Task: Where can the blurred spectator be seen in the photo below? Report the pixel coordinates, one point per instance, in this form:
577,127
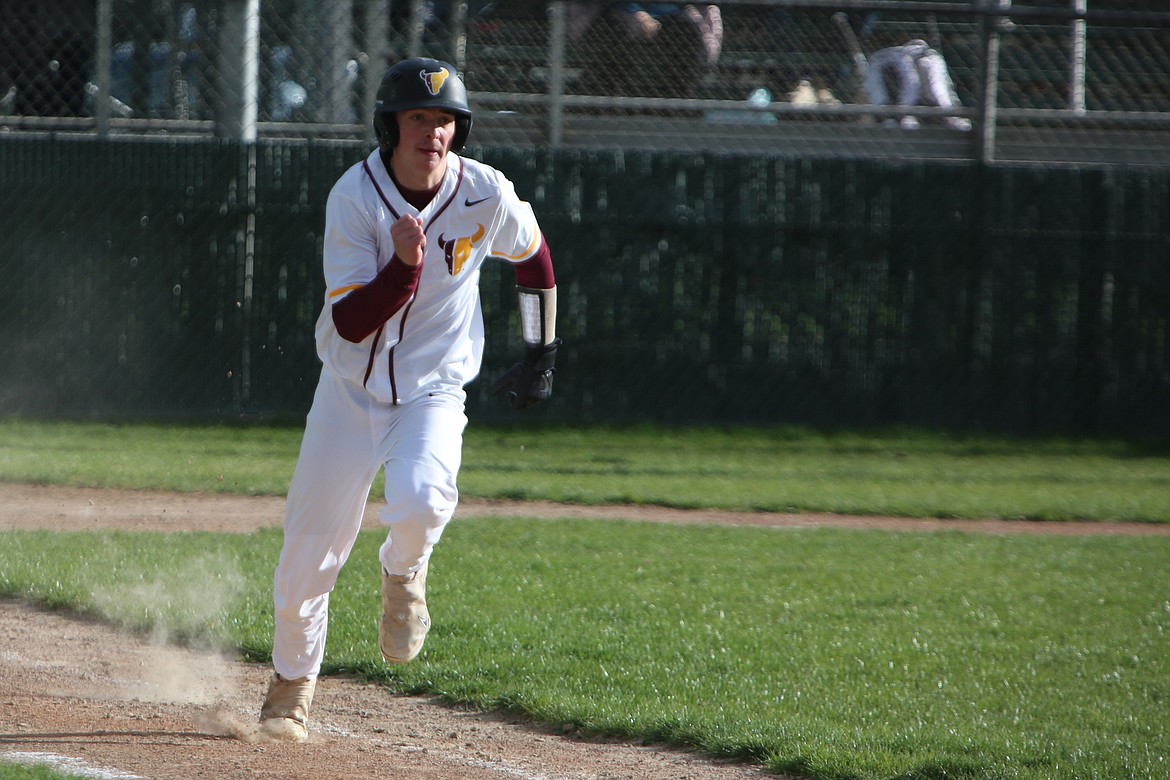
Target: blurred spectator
288,98
920,76
437,20
152,76
677,43
188,92
816,73
56,78
46,56
760,97
123,67
645,23
438,15
7,98
805,94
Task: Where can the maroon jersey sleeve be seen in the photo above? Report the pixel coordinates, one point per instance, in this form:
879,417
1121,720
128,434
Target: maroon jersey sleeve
537,271
367,308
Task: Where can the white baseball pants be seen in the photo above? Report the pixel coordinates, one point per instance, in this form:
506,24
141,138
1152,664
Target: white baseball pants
926,78
348,437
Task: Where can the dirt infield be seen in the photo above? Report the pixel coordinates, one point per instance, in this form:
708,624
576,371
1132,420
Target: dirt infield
88,699
81,695
80,509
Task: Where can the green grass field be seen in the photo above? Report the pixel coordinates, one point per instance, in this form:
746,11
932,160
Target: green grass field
821,653
906,473
33,772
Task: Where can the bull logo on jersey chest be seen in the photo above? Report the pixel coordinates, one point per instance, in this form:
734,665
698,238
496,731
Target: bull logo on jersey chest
456,251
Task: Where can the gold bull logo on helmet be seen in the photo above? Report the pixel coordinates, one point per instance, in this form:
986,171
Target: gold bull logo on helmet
457,250
434,79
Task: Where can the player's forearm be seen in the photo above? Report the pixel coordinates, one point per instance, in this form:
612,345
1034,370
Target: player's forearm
537,288
364,310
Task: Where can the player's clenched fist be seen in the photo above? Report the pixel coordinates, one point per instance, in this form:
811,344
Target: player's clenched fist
409,239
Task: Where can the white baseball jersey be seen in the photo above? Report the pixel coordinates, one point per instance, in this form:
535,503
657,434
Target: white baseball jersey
434,343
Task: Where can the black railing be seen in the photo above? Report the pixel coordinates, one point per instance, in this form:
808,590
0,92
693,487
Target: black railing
1076,81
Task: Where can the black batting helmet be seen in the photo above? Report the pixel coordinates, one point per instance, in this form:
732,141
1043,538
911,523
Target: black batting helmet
420,83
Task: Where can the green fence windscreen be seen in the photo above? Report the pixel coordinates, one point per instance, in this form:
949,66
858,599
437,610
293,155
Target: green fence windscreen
178,279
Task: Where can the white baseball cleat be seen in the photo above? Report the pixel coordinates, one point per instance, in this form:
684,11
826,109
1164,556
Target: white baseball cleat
285,714
405,619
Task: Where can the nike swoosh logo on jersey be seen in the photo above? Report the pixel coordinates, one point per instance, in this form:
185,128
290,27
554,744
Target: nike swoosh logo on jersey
469,202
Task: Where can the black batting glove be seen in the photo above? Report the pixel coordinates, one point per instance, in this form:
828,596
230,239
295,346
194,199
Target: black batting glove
529,381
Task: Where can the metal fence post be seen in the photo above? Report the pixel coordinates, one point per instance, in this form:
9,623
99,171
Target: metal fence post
103,59
376,44
414,40
249,282
336,104
458,32
992,20
239,70
556,65
1077,77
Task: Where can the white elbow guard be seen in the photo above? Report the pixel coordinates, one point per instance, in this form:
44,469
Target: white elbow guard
538,315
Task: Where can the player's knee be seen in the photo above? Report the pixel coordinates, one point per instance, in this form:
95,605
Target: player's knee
424,506
300,608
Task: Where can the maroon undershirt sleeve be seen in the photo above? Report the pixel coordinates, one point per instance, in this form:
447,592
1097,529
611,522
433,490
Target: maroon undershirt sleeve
536,273
367,308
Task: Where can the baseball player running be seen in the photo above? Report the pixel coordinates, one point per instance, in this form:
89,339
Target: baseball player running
407,231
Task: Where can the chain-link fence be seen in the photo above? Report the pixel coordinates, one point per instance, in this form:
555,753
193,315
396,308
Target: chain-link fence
163,278
158,262
1047,80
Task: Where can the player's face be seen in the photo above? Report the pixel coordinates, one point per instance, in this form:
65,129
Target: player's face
424,136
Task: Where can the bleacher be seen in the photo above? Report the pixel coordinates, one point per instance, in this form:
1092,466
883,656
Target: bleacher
509,53
768,49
